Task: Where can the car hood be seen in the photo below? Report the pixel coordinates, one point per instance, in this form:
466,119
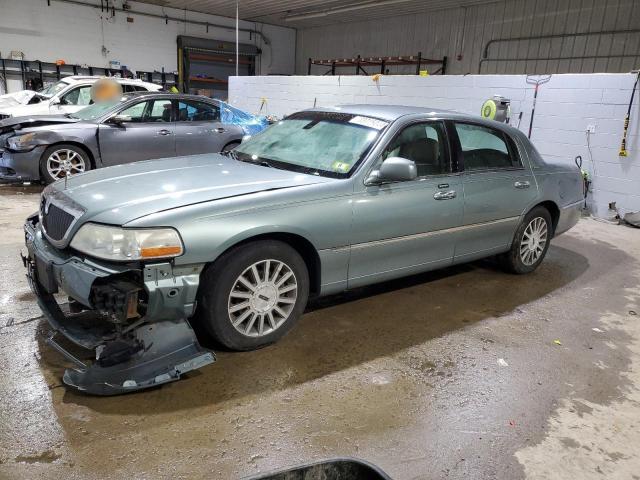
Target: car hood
120,194
22,97
40,108
14,123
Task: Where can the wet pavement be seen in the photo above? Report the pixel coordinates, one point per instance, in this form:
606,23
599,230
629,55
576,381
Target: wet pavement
462,373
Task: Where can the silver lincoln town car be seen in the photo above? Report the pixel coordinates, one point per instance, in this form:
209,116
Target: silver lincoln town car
326,200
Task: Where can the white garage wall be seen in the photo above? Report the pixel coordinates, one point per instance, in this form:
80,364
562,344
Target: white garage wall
566,106
465,31
76,34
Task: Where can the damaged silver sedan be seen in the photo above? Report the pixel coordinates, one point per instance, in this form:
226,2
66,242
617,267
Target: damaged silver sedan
323,201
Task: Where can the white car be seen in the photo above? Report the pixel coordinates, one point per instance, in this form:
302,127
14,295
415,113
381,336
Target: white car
68,95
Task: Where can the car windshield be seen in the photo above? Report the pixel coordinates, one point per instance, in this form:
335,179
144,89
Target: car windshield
52,89
322,143
96,110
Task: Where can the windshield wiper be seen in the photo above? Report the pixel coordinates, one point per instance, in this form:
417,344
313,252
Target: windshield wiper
234,155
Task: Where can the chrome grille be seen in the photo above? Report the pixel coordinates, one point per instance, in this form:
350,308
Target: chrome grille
58,215
56,222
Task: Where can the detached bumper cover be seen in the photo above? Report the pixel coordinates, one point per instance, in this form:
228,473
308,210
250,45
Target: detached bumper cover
142,355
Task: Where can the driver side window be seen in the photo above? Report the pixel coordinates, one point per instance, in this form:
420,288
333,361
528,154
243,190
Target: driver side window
149,111
425,144
80,96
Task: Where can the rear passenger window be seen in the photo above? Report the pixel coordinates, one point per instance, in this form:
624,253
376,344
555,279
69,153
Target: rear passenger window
128,88
485,148
190,111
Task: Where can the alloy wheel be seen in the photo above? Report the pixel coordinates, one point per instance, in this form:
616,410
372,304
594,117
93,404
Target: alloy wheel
262,298
534,240
65,162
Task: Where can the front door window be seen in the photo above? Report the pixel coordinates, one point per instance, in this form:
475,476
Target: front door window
425,144
156,111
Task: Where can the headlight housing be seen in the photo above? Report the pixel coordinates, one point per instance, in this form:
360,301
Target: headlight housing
127,244
22,143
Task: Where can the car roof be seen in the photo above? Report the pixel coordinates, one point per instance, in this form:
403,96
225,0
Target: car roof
92,78
185,96
392,113
384,112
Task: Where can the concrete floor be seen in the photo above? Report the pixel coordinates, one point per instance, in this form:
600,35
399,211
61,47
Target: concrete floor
452,374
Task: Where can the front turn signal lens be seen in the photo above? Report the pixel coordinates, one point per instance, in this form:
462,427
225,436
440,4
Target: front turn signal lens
155,252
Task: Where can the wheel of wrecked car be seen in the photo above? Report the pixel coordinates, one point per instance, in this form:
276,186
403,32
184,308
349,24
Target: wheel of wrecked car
59,161
253,294
530,243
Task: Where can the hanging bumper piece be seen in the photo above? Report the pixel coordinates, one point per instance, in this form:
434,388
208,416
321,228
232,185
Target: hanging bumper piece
140,356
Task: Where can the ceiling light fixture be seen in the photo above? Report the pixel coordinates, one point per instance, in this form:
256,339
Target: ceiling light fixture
334,11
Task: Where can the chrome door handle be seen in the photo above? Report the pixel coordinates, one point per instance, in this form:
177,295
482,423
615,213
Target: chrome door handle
220,130
445,195
524,184
164,132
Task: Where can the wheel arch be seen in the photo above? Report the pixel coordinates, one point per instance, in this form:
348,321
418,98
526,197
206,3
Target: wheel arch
299,243
232,142
553,209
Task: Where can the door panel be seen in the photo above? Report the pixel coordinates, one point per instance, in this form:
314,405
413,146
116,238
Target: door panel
401,228
407,227
149,134
492,209
198,128
498,188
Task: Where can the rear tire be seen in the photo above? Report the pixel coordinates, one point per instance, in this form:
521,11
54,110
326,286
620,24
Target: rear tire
230,146
253,295
530,242
59,160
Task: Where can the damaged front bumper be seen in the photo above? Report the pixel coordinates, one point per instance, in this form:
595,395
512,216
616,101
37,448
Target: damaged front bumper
137,324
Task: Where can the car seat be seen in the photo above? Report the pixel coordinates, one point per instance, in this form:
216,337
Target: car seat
424,151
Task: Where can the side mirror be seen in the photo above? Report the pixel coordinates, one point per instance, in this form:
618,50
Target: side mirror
55,101
118,119
393,169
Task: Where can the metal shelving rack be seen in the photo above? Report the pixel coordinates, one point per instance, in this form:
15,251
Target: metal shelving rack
48,71
381,64
207,64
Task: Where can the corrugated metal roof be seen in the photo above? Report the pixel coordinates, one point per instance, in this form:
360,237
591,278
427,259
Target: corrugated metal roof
309,13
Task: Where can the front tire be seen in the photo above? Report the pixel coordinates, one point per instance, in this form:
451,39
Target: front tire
253,295
61,160
530,243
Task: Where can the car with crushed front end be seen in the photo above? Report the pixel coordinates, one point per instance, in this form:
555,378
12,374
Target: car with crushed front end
325,200
136,126
68,95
